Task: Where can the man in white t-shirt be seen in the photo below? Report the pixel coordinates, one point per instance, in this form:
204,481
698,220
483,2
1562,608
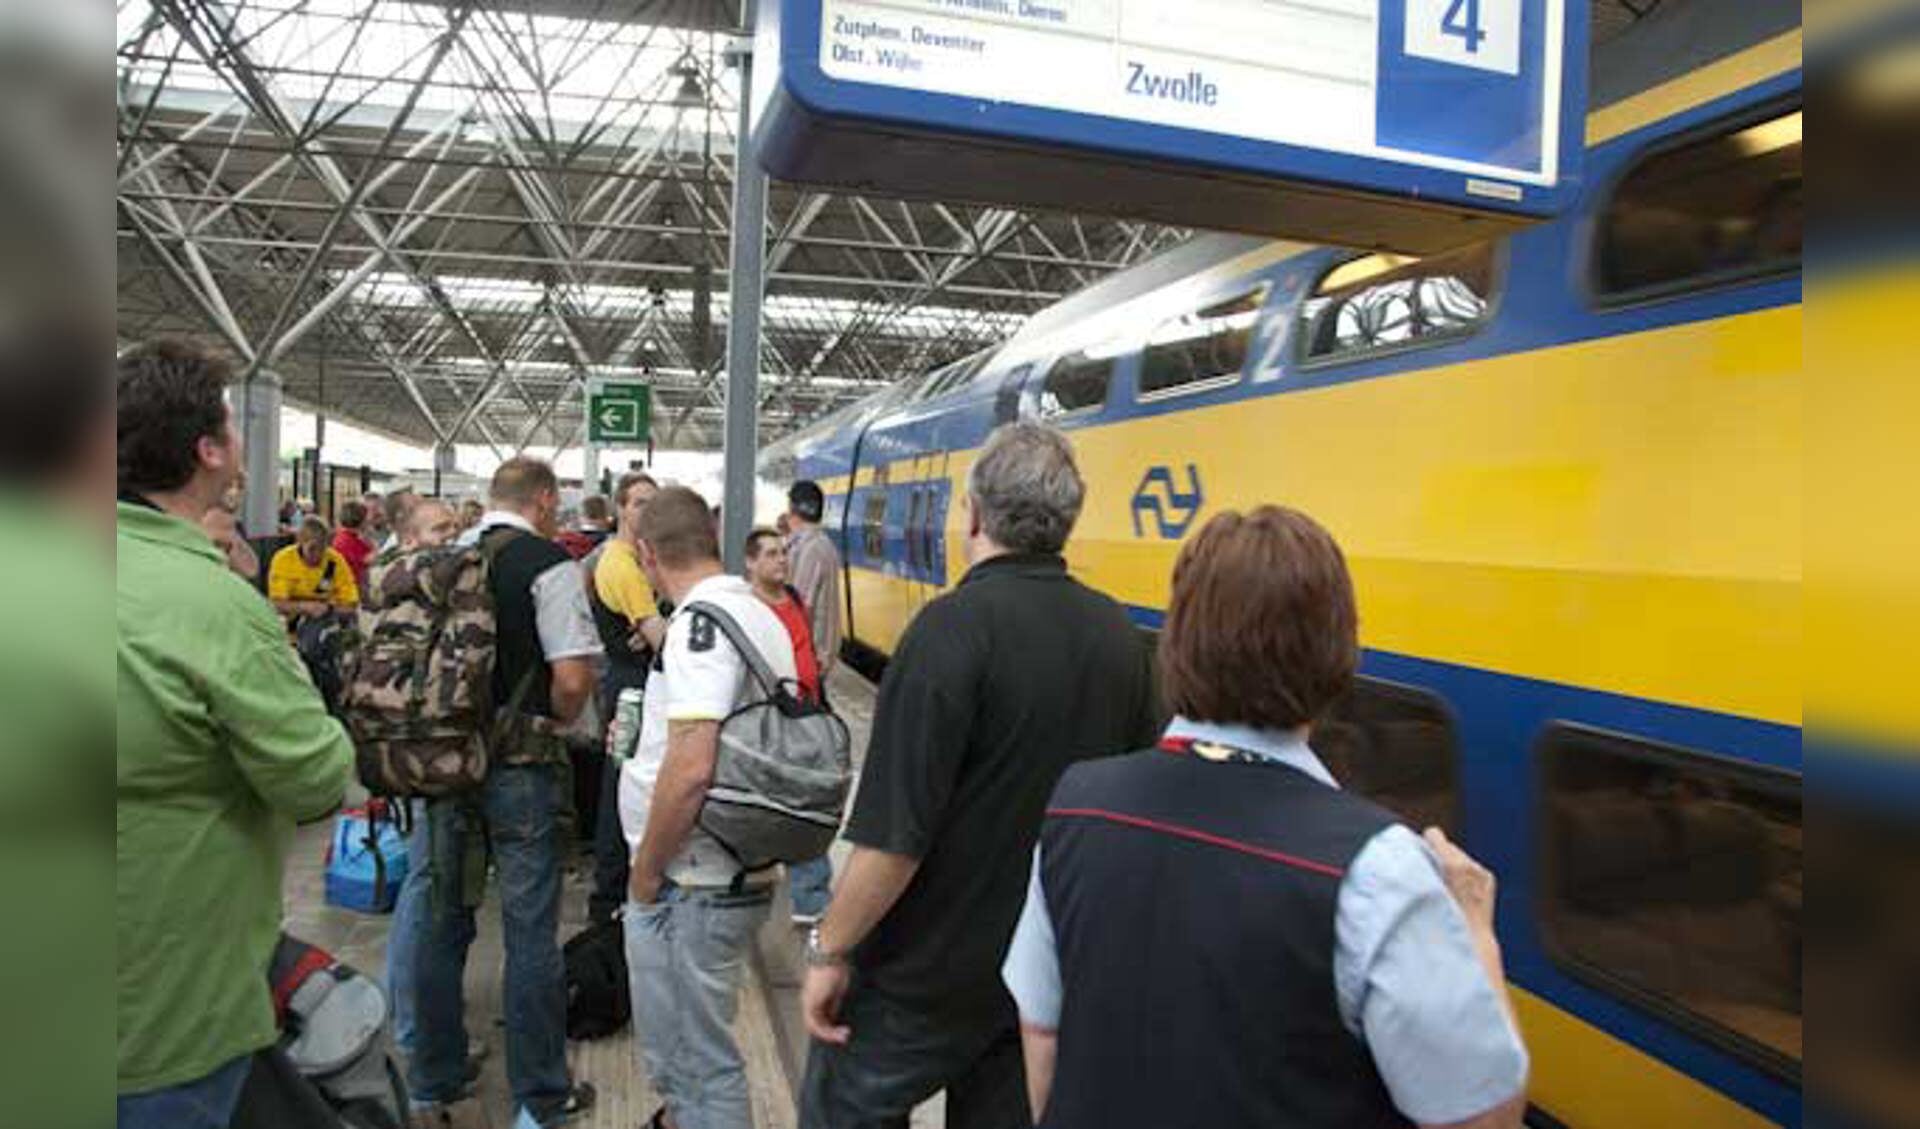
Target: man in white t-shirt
692,912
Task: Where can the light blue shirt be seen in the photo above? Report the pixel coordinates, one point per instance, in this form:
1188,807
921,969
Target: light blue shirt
1408,979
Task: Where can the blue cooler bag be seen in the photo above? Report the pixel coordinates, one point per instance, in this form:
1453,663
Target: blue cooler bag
367,859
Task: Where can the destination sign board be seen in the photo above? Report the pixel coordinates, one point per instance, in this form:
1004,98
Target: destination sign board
1472,107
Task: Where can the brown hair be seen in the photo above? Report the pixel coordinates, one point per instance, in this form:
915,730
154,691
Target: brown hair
679,528
1261,629
626,484
520,481
171,395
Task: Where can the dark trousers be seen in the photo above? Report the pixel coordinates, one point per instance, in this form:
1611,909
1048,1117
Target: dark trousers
610,861
898,1058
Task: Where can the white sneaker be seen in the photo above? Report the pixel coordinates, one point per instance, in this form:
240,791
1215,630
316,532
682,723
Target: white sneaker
805,920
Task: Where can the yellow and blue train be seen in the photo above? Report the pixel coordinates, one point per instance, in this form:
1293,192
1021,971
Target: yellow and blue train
1566,470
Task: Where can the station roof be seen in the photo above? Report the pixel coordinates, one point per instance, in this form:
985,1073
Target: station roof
438,220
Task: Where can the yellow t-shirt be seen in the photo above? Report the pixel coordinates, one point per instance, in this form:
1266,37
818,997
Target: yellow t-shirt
621,584
289,577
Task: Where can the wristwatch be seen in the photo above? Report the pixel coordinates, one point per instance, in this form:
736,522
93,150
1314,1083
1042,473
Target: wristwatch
818,956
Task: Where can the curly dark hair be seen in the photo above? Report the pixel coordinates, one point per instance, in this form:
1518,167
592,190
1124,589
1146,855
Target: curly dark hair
171,395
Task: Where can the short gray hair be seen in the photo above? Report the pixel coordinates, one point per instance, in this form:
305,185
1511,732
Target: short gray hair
1026,488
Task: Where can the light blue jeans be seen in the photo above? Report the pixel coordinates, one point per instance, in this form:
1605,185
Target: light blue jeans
685,953
810,886
409,921
204,1103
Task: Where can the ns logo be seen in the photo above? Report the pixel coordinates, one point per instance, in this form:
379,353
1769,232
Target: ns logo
1171,509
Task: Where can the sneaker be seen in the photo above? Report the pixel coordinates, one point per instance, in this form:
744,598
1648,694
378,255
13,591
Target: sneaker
579,1101
805,920
428,1114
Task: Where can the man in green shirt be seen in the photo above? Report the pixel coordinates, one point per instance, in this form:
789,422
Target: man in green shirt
223,746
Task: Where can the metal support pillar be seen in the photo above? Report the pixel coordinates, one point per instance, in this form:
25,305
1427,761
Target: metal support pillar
590,469
443,463
745,282
256,409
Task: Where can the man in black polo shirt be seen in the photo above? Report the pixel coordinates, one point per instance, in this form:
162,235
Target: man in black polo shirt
996,688
543,674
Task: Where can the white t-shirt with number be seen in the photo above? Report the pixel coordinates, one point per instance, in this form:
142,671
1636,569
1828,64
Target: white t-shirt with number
699,677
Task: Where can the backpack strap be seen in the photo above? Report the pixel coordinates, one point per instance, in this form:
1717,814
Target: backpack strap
491,543
757,663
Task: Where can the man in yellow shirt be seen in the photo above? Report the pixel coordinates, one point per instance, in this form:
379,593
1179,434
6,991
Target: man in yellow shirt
309,577
617,578
631,627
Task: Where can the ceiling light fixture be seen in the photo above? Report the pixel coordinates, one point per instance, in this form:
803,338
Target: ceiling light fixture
692,94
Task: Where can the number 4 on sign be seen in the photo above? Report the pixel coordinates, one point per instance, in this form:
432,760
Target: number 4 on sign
1463,20
1481,34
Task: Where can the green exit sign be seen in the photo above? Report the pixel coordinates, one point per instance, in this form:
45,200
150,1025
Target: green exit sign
619,413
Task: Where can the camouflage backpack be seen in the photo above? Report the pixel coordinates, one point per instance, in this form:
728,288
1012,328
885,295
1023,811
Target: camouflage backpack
419,691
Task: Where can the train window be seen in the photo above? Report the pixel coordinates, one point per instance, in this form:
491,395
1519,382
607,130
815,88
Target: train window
1006,402
1394,745
873,522
1674,879
1705,212
1381,302
1204,349
1076,383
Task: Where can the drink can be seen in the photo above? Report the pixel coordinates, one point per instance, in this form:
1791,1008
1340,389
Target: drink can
623,735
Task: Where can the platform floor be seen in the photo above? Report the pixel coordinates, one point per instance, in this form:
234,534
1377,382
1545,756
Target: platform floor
769,1026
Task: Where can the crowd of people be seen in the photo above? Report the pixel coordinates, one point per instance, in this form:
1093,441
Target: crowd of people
1059,908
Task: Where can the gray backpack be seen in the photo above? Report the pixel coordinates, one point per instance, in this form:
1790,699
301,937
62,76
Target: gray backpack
784,768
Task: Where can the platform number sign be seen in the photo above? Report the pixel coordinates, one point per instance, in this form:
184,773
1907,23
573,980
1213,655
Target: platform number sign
1483,34
1463,20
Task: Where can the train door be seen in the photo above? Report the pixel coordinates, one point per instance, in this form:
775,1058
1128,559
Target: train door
934,531
915,557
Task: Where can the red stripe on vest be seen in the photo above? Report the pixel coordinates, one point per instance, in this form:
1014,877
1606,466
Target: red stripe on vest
1198,836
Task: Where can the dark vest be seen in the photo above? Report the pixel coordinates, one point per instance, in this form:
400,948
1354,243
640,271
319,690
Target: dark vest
519,560
626,666
1193,903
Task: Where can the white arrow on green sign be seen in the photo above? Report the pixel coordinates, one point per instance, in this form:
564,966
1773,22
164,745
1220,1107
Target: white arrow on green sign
619,413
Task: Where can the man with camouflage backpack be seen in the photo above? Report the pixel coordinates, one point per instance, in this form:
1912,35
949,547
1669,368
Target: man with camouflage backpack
504,791
429,524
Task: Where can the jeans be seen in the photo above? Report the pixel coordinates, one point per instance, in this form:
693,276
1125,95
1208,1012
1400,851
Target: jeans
519,811
204,1103
810,885
403,941
899,1057
684,958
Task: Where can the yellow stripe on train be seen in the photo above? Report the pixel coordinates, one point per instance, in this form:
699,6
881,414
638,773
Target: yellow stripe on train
1863,543
1718,79
1620,514
1608,1082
